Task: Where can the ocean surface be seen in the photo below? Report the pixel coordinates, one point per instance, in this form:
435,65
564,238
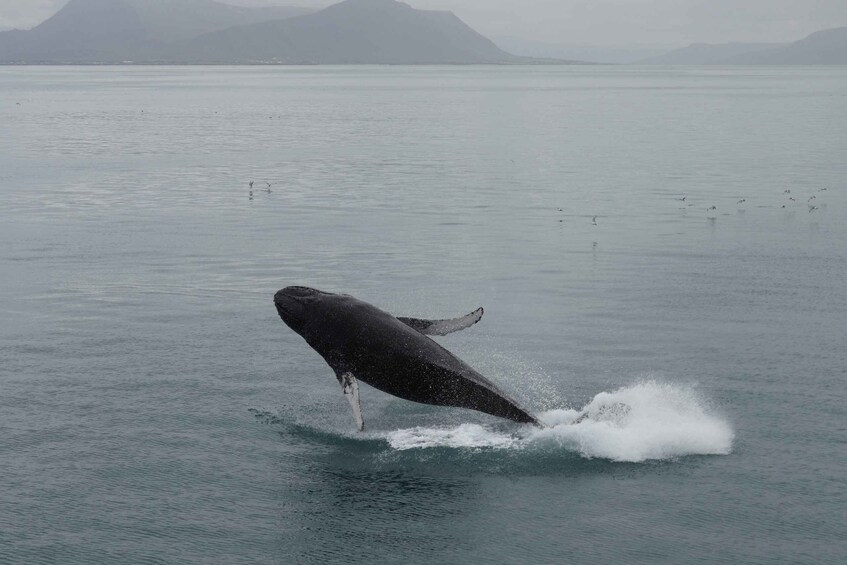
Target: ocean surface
155,409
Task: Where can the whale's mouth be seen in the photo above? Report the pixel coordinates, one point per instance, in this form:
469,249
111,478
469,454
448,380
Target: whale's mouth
294,302
283,310
290,307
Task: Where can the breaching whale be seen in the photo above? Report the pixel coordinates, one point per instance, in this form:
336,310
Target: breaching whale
393,354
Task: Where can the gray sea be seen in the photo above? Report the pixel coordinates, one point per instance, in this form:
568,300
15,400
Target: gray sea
155,409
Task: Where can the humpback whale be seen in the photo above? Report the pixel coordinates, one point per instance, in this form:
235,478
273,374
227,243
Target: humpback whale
393,354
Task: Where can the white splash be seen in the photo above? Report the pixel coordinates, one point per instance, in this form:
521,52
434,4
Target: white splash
648,420
466,435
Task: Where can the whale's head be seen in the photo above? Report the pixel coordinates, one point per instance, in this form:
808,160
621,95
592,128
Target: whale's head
327,321
298,305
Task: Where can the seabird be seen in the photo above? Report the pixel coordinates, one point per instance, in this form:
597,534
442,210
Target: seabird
594,220
742,201
812,197
251,186
812,209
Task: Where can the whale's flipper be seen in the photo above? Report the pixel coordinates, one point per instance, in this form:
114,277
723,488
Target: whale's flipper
443,327
350,387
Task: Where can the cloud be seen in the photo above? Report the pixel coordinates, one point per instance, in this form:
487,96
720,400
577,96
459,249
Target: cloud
24,14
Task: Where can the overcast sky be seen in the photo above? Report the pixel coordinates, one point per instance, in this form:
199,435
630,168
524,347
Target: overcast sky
586,22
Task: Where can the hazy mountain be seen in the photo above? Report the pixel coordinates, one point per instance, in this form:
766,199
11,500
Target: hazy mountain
827,47
354,31
594,54
84,30
204,31
176,20
117,30
708,54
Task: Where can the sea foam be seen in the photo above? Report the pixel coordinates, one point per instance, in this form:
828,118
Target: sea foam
647,420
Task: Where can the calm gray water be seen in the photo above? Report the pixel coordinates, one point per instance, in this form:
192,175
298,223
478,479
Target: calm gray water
154,409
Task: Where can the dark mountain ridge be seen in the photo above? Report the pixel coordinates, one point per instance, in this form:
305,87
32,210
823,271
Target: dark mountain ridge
353,31
89,31
82,30
179,20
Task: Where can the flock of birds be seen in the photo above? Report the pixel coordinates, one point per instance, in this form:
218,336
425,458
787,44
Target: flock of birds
593,218
810,201
251,183
711,211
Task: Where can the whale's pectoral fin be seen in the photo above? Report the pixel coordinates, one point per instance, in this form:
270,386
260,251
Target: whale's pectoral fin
350,387
443,327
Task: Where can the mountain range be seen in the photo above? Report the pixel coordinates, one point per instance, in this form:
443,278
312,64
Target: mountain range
351,32
209,32
354,31
826,47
